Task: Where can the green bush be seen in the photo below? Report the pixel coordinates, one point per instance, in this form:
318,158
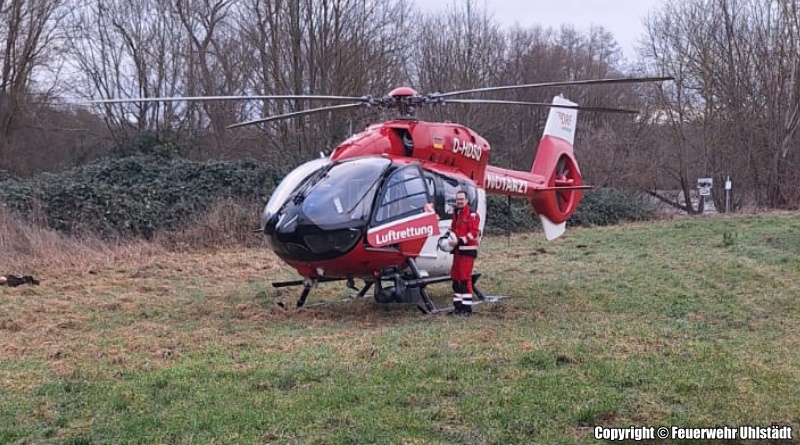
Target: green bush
135,196
607,206
518,217
158,144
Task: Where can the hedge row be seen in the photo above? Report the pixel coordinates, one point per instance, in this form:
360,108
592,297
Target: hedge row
134,196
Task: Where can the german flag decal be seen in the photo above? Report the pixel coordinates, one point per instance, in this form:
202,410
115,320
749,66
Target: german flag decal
438,142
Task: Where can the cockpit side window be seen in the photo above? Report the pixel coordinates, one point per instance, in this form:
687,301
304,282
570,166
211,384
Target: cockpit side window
472,194
405,193
450,187
446,195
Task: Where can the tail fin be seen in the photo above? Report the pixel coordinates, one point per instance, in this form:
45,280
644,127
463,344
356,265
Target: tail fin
556,162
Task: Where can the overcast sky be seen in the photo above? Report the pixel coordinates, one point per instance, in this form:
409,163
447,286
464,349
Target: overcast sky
623,18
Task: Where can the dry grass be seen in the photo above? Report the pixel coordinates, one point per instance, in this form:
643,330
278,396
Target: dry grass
86,279
228,223
148,302
146,295
29,247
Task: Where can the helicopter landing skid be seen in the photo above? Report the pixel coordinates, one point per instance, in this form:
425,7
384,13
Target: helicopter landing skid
416,283
480,299
486,299
361,294
310,283
307,283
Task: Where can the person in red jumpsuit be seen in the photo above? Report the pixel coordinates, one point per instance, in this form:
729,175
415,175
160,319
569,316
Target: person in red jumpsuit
466,228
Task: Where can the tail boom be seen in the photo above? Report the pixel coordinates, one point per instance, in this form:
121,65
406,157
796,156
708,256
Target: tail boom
501,181
504,182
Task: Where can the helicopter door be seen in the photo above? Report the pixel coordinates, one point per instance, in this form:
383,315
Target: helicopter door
400,218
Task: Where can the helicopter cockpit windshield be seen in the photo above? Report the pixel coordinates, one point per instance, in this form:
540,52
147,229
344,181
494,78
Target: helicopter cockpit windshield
290,182
343,193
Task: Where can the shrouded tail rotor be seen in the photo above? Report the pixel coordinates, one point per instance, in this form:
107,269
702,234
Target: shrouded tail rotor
562,196
556,163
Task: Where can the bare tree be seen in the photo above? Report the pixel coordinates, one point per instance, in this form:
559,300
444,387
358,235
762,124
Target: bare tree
124,49
734,109
214,64
777,96
461,49
330,47
30,29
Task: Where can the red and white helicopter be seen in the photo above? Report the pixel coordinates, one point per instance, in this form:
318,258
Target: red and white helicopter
363,211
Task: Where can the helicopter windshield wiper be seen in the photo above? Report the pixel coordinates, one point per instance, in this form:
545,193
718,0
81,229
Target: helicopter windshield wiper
302,192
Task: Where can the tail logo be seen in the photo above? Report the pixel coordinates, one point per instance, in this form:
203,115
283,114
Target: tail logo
565,118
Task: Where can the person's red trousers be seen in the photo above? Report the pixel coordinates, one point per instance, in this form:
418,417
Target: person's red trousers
462,270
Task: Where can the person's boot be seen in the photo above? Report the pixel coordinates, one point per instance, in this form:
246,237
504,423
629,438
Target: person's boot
466,305
458,308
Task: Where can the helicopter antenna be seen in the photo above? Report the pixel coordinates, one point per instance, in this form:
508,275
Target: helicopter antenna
508,220
557,84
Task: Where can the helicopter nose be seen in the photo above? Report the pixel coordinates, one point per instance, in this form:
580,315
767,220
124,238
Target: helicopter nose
268,222
286,224
292,237
280,230
279,224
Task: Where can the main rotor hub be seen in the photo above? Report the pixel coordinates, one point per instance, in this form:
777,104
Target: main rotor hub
404,99
401,92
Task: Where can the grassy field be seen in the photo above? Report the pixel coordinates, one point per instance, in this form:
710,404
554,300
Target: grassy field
692,323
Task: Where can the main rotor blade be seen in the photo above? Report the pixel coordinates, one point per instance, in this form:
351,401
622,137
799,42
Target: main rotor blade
221,98
540,104
294,114
558,84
